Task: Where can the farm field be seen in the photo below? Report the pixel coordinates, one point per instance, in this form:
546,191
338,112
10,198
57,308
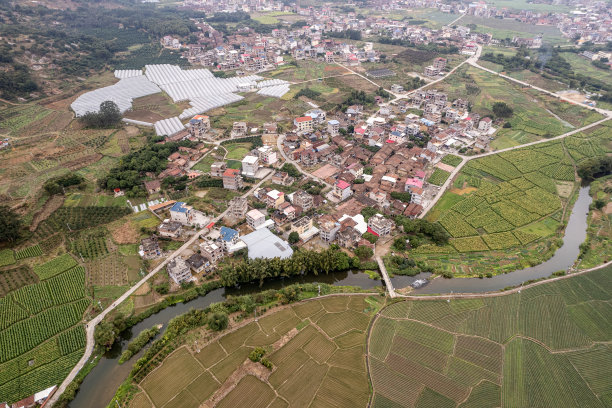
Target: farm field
534,114
500,351
317,348
438,177
501,29
514,203
41,337
582,65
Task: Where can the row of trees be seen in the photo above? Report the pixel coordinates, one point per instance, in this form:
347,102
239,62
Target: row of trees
301,263
56,185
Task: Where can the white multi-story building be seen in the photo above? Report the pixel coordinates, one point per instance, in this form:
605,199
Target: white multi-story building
255,219
250,165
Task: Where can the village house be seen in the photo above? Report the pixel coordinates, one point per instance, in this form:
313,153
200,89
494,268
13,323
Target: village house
348,236
178,270
379,225
232,180
170,229
485,124
304,228
149,248
255,219
250,165
152,186
196,262
267,155
282,178
212,252
217,169
342,190
303,124
328,228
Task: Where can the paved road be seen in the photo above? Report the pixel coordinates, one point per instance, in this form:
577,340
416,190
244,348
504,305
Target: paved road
385,275
91,325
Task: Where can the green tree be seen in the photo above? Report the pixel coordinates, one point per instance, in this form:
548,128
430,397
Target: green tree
218,321
10,224
370,237
502,110
294,237
399,244
364,252
105,335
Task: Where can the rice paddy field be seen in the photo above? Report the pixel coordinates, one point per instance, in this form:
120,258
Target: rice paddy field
509,28
505,210
317,350
540,347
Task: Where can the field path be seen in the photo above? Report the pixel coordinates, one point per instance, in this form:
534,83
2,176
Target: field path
91,325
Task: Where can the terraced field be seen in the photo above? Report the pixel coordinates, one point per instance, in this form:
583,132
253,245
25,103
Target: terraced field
540,347
317,349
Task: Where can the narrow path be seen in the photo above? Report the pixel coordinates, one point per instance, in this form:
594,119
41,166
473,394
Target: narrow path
91,325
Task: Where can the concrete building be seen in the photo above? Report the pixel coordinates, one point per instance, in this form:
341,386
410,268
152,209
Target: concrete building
239,129
149,248
342,190
328,228
439,64
264,244
212,252
237,207
178,270
170,229
199,125
333,127
196,262
303,199
274,198
303,124
181,212
305,228
431,71
232,180
250,165
267,155
217,169
255,219
379,225
485,124
229,238
282,178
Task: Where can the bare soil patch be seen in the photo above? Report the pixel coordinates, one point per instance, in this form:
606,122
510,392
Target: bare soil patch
124,232
564,189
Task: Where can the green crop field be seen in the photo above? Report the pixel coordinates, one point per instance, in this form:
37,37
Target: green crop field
438,177
41,337
501,351
511,206
452,160
320,364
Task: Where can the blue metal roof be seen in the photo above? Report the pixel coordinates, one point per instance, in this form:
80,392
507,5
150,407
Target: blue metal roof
227,234
179,207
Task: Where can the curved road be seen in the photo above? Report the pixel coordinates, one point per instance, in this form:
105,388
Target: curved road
91,325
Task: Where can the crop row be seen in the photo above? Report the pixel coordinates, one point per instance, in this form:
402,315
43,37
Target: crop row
29,252
27,334
438,177
76,218
7,257
55,266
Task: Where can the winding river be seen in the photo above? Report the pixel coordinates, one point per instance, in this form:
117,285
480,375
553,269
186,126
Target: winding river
100,385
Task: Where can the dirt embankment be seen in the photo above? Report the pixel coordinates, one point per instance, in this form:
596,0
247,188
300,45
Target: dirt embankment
49,208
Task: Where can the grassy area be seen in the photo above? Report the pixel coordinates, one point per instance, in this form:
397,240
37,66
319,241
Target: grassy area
529,5
507,28
584,66
237,151
488,350
323,361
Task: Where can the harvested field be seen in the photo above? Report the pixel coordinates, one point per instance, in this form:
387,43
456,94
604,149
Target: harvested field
251,392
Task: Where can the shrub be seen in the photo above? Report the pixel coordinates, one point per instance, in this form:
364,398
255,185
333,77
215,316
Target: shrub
257,354
267,363
218,321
